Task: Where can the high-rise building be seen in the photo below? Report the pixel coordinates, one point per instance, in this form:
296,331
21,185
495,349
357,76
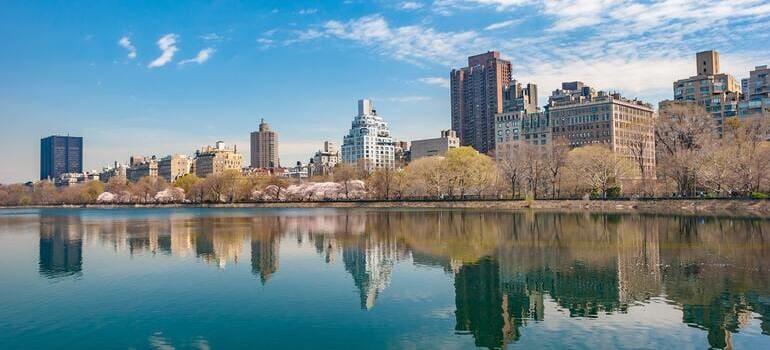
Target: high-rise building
718,92
402,153
368,144
520,98
476,92
264,147
60,155
172,167
434,147
756,93
215,160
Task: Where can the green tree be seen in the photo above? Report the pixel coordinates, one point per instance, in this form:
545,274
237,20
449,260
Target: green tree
186,182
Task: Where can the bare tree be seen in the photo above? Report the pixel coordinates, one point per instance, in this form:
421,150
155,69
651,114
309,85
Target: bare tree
683,132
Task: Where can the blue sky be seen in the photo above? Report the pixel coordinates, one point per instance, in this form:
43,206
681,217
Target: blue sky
162,77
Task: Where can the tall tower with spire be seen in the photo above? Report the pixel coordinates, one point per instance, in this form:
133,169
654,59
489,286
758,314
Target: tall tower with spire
264,147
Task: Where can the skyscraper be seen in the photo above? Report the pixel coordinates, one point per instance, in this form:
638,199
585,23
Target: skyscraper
368,143
60,155
264,147
476,92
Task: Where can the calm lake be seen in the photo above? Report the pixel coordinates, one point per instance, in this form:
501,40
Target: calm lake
380,279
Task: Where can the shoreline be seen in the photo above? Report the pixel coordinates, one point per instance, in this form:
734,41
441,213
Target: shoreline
730,207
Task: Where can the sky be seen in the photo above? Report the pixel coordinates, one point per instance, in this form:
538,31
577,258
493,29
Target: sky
169,77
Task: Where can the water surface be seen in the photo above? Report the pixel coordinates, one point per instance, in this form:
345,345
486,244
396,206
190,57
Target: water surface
380,279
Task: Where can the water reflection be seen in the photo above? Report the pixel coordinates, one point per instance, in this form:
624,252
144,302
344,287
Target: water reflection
505,266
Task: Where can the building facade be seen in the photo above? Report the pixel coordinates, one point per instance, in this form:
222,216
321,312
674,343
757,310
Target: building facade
172,167
570,93
264,147
215,160
756,94
324,160
626,126
117,171
60,155
718,92
520,98
368,144
147,167
476,93
434,147
514,128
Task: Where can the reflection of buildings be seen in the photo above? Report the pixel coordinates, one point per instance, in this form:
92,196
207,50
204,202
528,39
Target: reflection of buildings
264,255
370,262
61,246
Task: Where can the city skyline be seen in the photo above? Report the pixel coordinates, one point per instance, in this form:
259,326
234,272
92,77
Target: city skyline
132,84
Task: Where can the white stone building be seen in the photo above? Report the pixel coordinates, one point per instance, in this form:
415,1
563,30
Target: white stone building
368,143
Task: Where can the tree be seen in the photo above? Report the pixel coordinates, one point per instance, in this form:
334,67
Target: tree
44,192
91,190
186,182
383,182
344,174
511,163
683,135
598,166
467,169
279,182
426,176
555,161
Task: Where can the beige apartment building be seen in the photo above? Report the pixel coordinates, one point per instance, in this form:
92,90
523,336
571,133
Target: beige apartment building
476,93
215,160
434,147
172,167
264,147
756,94
324,160
142,167
626,126
718,92
513,128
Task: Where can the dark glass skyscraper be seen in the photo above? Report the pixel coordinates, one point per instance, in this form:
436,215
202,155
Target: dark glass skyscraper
59,155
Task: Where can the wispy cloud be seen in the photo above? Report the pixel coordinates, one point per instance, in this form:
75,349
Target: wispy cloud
125,42
308,11
211,37
416,43
409,5
435,81
167,45
266,42
201,57
503,24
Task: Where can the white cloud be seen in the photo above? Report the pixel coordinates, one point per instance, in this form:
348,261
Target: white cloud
436,81
201,57
309,11
503,24
416,44
167,45
409,5
125,42
266,43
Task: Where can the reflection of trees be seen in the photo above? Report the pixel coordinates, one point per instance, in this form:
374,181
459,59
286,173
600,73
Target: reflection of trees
61,246
719,271
504,264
